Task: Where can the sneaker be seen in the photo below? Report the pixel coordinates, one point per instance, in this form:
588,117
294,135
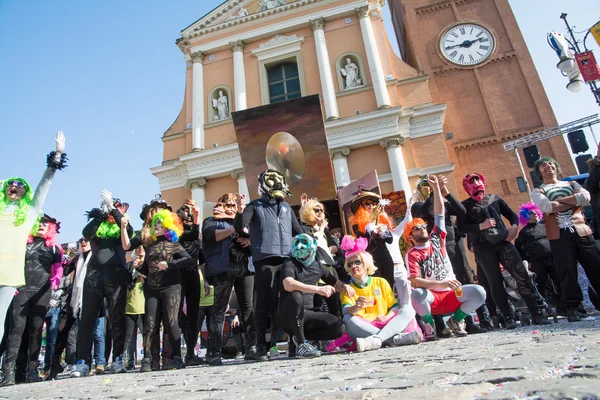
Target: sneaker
117,366
485,326
178,363
273,353
261,353
369,343
99,369
510,323
457,328
130,365
307,350
146,365
80,369
404,339
573,315
429,334
250,353
540,320
592,312
214,359
193,361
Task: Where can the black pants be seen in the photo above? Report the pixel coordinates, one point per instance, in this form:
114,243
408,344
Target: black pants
27,311
163,303
65,326
190,291
266,286
567,251
204,312
489,258
134,321
243,282
307,324
108,333
458,259
100,283
334,305
489,301
545,270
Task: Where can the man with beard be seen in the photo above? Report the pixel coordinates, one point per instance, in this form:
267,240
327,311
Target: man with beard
492,246
571,240
436,290
271,223
190,279
227,267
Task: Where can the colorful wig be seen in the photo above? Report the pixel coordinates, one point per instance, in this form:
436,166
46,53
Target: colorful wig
409,227
526,210
307,215
362,218
536,166
171,222
23,205
49,237
109,229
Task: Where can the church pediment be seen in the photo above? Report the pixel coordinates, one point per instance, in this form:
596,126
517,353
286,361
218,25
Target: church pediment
236,11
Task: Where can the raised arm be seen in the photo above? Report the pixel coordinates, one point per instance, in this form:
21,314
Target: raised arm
56,160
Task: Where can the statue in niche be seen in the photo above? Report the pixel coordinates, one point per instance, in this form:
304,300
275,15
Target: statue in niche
350,72
221,104
270,4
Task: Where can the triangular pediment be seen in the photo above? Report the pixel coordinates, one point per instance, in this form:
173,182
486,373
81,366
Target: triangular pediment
237,10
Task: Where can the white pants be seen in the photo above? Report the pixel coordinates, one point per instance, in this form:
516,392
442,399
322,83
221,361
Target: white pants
7,293
402,284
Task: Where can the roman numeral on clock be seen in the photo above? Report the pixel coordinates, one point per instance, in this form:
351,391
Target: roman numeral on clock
454,34
471,58
484,47
453,54
484,40
462,30
479,34
461,58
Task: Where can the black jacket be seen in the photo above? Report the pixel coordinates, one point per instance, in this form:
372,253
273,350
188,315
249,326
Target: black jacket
38,263
475,214
532,242
452,206
106,252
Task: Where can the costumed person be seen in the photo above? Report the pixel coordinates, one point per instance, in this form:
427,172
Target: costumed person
297,317
312,217
20,208
436,289
226,267
592,185
534,247
107,278
146,215
492,246
162,287
136,306
454,242
571,239
372,315
371,222
271,223
43,271
77,270
190,279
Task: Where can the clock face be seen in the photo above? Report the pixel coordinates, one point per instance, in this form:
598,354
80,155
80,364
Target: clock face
467,44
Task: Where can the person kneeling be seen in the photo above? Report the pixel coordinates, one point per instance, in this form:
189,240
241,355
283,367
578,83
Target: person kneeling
299,277
372,315
436,290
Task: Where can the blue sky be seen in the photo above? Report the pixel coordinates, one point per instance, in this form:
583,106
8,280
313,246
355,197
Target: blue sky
108,74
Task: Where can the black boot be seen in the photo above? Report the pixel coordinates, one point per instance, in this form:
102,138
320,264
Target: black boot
214,359
471,328
573,315
261,353
485,325
33,374
239,345
250,347
20,373
9,374
540,320
510,323
55,368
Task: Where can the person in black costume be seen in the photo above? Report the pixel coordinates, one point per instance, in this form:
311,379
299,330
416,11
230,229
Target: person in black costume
43,271
492,246
107,277
226,267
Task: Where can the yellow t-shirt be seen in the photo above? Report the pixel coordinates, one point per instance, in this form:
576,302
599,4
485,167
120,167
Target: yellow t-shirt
378,288
135,299
206,301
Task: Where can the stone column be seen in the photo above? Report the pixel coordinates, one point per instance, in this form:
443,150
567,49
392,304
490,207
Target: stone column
340,166
331,109
197,101
197,186
242,186
400,180
375,68
239,75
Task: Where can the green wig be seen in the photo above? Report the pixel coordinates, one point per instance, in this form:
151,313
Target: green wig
23,205
108,230
536,166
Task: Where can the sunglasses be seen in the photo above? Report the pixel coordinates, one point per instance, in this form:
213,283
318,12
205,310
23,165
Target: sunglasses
354,263
16,183
368,204
419,227
318,210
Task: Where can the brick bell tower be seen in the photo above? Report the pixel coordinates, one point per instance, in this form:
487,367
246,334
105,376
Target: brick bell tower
479,66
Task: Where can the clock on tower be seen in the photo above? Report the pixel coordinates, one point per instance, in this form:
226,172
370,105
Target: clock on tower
466,44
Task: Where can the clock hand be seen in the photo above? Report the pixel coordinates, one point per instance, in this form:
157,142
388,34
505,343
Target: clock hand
451,47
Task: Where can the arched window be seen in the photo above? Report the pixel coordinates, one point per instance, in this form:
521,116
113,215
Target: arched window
284,82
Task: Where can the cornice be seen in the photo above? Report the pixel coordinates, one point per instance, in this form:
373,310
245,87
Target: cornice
493,140
497,58
435,169
441,5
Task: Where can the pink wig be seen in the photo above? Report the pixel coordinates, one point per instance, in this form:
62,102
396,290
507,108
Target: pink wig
525,212
49,237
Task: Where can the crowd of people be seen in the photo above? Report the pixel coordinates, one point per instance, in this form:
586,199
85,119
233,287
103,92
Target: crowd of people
382,285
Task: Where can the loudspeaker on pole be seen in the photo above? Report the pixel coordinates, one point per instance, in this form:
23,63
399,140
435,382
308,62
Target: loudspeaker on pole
577,141
532,154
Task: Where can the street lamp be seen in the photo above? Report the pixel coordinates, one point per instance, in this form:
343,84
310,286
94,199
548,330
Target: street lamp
569,52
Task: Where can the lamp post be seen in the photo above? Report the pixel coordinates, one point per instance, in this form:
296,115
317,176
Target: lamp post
568,50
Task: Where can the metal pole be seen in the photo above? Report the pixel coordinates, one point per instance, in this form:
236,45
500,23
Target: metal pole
593,135
523,173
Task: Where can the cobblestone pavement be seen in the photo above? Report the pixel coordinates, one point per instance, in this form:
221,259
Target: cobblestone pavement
558,361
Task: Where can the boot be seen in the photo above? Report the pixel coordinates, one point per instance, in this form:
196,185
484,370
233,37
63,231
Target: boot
239,345
33,374
540,320
261,353
9,374
214,359
510,322
20,373
250,347
55,368
472,329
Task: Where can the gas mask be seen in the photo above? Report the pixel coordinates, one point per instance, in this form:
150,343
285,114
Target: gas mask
474,185
273,184
304,248
225,207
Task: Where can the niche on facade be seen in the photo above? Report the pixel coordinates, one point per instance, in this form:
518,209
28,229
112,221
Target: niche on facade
219,104
350,71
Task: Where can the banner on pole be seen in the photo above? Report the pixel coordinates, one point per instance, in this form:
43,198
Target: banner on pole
590,71
595,31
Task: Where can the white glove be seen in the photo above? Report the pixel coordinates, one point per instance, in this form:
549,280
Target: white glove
107,201
60,142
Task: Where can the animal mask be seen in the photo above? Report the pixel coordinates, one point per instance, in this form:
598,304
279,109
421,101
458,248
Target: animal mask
304,248
474,185
273,184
